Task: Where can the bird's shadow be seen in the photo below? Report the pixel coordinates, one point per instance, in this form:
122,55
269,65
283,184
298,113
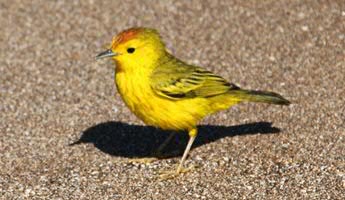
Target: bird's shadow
136,141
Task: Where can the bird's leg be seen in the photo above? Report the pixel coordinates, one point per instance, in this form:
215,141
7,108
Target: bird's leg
158,152
180,169
192,137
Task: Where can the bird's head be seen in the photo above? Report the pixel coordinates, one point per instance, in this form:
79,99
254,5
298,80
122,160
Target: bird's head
135,47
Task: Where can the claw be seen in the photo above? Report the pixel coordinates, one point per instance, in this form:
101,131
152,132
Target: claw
170,174
142,160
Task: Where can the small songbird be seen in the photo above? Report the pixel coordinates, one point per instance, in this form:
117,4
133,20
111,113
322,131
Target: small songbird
168,93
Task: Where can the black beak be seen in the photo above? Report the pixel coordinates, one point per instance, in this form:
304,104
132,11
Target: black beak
105,54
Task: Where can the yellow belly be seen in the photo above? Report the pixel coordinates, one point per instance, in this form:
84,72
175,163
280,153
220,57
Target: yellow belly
159,111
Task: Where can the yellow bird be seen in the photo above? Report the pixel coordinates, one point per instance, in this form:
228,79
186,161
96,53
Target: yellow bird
168,93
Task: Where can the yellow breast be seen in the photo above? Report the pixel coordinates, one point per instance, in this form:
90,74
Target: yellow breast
154,110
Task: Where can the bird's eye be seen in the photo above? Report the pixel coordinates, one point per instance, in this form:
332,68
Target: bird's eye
130,50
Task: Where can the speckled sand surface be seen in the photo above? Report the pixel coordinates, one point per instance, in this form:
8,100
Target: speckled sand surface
53,93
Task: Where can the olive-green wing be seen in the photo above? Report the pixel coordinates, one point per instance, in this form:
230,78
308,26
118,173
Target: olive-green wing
177,80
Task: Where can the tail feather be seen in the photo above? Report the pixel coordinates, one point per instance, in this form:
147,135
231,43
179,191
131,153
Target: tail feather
259,96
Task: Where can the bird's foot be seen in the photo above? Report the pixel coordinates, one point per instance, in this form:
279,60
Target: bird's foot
147,160
170,174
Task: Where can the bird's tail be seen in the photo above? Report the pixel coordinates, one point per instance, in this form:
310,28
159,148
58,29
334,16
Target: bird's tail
259,96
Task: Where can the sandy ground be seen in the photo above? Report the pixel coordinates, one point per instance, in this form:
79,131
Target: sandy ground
53,93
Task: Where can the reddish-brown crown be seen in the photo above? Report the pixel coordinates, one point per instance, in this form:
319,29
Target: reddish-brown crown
126,35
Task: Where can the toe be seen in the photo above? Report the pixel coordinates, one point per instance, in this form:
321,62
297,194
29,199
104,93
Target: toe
170,174
142,160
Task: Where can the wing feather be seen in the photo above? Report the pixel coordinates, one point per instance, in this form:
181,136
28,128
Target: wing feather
177,80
